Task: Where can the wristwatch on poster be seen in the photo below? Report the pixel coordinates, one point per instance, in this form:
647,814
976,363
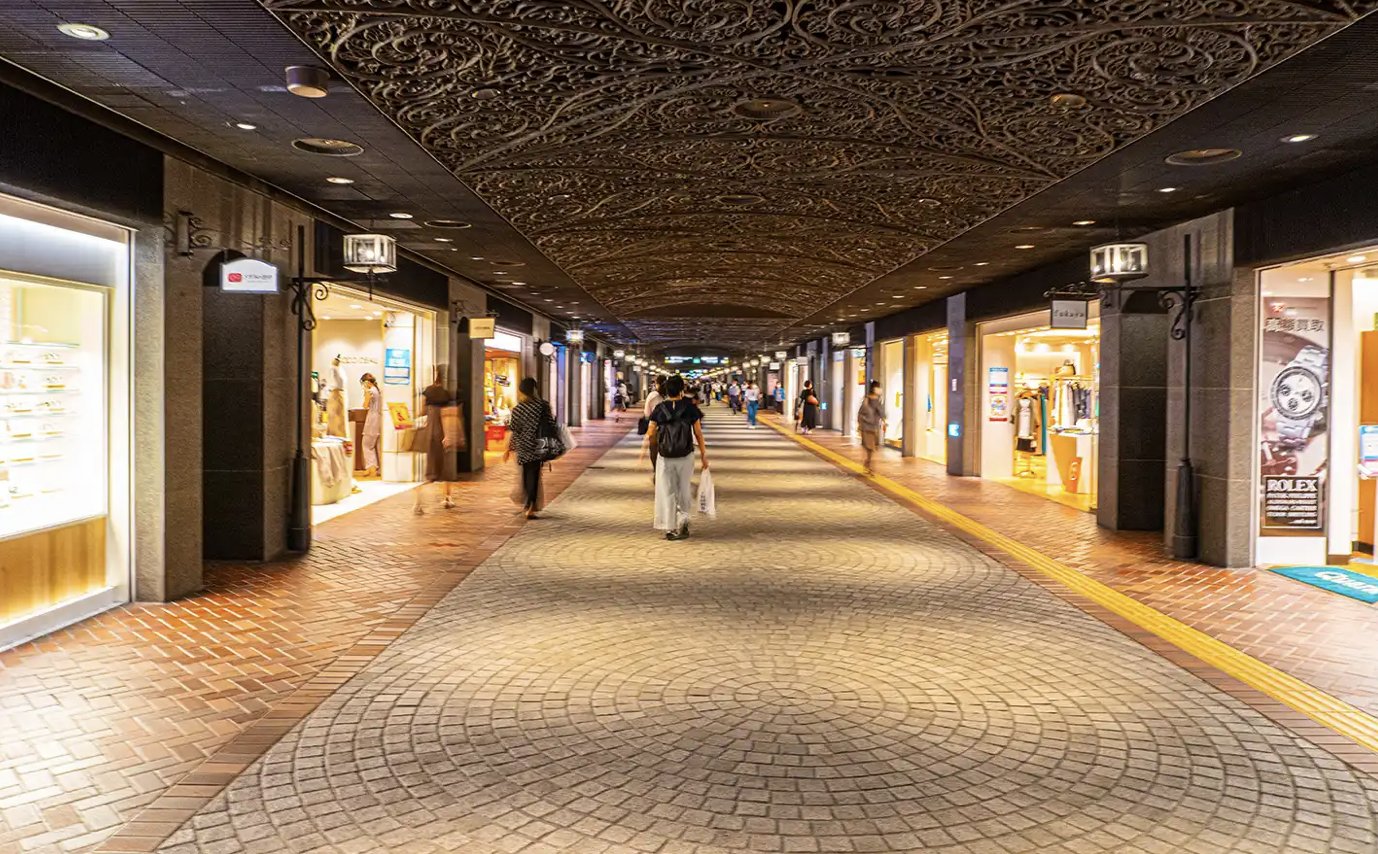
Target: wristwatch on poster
1299,397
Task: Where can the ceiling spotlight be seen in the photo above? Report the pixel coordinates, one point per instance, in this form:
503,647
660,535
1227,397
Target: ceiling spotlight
444,240
921,287
1025,246
1299,137
476,258
356,306
1167,189
944,278
308,81
245,125
1068,99
338,180
1357,259
981,264
400,215
85,32
1084,222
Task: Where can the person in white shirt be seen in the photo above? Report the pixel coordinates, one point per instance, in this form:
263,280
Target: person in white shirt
752,396
734,397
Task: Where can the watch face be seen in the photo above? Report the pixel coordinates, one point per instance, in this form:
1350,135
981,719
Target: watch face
1296,392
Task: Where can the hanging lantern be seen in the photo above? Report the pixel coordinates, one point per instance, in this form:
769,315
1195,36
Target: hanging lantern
618,354
574,336
1114,263
370,253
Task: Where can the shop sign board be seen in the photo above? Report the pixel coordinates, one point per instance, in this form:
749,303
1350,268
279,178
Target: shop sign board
482,327
842,339
1069,314
998,390
248,276
781,355
396,367
1294,443
401,416
1368,443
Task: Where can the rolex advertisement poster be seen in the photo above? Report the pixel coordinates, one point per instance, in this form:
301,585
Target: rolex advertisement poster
1294,385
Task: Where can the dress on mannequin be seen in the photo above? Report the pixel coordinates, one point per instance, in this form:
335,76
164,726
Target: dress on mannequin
1027,423
335,403
373,427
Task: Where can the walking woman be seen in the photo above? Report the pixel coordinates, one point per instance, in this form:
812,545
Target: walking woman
441,438
808,408
652,401
870,422
752,396
373,425
524,438
675,429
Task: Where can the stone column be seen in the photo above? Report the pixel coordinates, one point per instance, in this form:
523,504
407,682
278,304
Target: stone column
1133,413
575,381
963,450
465,375
910,434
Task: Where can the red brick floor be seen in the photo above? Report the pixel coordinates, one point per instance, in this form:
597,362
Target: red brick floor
98,721
1321,638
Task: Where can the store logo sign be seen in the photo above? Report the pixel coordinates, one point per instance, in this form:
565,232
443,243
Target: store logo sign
1069,314
248,276
842,339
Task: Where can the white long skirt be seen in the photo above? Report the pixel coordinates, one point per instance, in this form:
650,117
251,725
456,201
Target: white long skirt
674,491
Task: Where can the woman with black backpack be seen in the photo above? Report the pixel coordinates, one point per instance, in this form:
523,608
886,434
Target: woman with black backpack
674,431
529,434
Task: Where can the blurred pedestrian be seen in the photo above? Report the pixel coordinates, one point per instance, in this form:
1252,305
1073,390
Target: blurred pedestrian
524,438
808,409
752,395
870,421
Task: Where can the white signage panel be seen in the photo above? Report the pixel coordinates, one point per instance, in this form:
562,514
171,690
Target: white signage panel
1069,314
248,276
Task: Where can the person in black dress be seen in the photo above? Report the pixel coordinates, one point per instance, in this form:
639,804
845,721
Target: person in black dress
808,408
523,439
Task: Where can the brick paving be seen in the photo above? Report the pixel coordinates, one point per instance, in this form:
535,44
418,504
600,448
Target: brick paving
100,720
1318,637
819,669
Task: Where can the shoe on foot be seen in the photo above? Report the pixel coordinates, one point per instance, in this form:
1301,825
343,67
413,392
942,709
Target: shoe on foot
671,535
420,511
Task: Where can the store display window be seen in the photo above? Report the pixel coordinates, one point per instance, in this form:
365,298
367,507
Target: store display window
1040,417
930,385
502,371
892,390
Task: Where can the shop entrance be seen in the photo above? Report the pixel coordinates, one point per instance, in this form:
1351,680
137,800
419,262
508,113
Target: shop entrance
930,385
1039,417
502,371
370,361
892,390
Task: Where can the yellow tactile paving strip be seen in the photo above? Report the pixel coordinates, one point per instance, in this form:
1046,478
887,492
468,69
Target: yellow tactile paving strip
1329,711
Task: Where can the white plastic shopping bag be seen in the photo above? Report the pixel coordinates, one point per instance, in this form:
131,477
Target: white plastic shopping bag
568,438
707,502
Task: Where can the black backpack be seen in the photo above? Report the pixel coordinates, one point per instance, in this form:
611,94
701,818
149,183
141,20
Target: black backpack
675,438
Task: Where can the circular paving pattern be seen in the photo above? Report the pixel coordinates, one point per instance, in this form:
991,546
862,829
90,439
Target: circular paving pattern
816,670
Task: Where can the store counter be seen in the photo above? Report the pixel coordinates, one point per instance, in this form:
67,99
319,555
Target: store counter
1071,456
332,470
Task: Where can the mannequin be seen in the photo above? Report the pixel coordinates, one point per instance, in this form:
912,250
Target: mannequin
373,425
335,403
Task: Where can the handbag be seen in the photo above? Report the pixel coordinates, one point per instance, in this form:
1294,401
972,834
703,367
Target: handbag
643,424
549,446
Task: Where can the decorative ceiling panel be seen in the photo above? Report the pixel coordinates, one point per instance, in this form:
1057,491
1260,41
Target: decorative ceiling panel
776,155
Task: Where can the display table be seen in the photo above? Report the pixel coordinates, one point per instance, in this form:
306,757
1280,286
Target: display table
332,470
1071,458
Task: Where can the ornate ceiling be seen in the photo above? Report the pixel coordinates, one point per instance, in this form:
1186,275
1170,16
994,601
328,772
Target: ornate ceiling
713,170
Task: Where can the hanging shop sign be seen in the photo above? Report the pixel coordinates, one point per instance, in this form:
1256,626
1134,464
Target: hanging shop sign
1294,385
248,276
781,355
1069,314
998,391
482,327
396,367
842,339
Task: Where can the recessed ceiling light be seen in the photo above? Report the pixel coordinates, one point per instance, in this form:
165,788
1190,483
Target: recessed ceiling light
475,258
85,32
1204,156
245,125
944,277
328,147
356,306
336,179
921,287
1167,189
444,240
377,314
1025,246
1299,137
981,264
1357,259
1084,222
400,215
519,283
327,317
549,300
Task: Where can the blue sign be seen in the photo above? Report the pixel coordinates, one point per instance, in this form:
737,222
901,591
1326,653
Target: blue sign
954,430
1336,579
396,367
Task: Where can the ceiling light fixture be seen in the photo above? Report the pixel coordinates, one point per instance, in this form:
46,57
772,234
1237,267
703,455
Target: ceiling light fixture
1299,137
1167,189
85,32
328,147
444,240
245,125
1203,156
1084,222
1068,99
1025,246
981,264
1357,259
335,179
308,81
944,278
400,215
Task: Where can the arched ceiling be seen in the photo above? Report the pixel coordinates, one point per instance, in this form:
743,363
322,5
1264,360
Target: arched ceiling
712,170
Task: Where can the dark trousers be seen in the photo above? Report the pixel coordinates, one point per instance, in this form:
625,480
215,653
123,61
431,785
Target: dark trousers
531,483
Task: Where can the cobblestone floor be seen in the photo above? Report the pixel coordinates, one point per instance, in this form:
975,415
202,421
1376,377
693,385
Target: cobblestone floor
102,719
1301,630
816,670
